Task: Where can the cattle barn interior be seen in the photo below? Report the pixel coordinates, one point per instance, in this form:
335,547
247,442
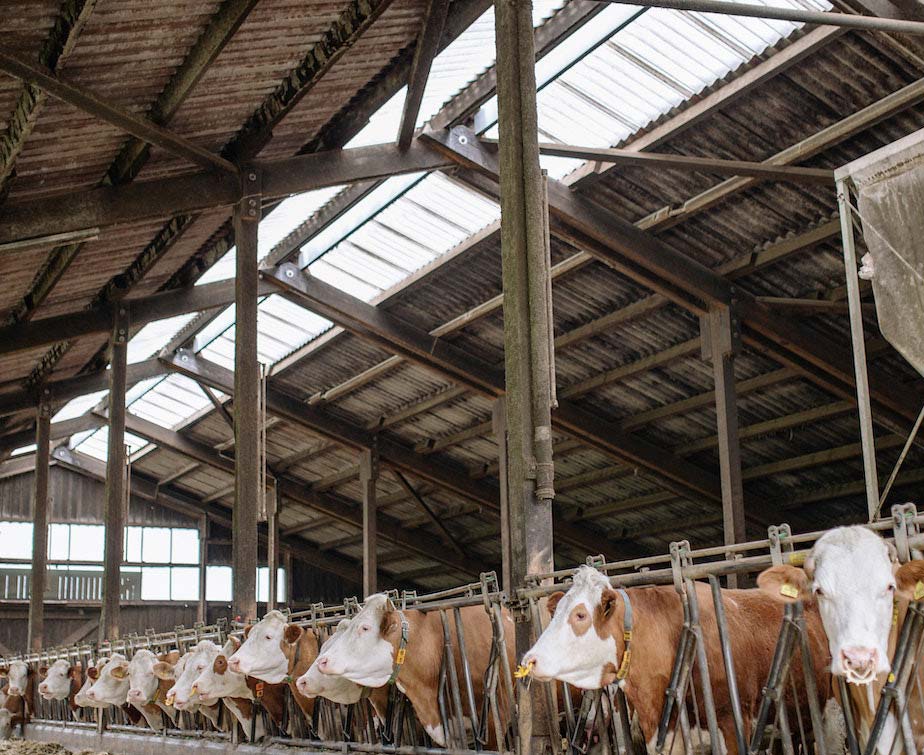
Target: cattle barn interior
264,341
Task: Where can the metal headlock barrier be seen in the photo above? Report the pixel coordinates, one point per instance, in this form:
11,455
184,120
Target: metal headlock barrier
707,705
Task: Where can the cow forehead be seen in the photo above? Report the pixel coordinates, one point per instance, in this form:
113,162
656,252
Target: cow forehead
272,621
851,555
587,588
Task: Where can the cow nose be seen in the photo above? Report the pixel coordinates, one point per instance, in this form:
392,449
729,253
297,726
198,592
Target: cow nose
179,702
14,690
301,684
43,687
134,693
859,662
91,694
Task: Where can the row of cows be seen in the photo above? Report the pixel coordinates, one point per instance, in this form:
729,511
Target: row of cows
853,590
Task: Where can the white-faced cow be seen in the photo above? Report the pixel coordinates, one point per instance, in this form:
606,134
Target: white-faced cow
62,681
177,680
276,652
583,644
147,692
20,692
383,645
852,575
112,682
218,682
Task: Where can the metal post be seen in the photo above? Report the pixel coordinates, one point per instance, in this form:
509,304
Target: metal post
290,592
40,503
368,476
528,354
272,547
248,476
867,438
202,610
115,478
721,342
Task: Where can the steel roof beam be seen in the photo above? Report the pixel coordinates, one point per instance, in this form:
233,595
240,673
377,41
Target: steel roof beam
100,108
298,492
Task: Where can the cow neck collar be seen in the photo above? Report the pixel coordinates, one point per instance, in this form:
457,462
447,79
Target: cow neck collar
623,670
401,652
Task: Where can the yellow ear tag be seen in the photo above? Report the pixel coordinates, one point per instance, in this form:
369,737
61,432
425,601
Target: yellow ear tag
399,656
523,671
798,559
891,678
790,591
919,590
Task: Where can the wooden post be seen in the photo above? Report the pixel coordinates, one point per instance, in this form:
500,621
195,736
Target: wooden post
40,506
368,476
528,354
202,609
290,579
721,342
248,476
115,479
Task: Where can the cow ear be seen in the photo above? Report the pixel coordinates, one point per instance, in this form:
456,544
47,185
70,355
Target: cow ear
43,671
93,673
163,670
390,622
232,645
608,602
120,671
293,633
220,665
785,583
552,602
74,671
247,631
4,672
909,580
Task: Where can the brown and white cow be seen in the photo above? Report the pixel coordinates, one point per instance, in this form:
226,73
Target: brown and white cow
148,692
276,653
369,648
20,692
180,677
61,681
218,683
583,644
852,576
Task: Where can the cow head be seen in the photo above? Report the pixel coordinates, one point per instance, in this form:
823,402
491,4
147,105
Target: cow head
18,678
580,645
184,692
263,654
82,699
111,685
853,576
314,683
57,682
366,651
217,680
143,682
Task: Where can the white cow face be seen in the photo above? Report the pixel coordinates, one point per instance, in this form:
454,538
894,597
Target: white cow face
111,685
217,680
577,646
184,692
57,682
18,675
261,655
314,683
82,698
142,683
365,652
852,574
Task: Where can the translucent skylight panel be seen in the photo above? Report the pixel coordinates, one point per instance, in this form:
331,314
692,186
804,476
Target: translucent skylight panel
170,402
221,350
343,280
78,406
149,340
95,444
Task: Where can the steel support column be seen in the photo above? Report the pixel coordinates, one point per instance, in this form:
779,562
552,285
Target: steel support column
867,436
368,476
528,355
41,504
248,477
272,546
202,608
115,478
721,342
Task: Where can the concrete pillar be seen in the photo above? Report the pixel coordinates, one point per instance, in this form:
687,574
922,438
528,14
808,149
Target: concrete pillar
40,505
248,477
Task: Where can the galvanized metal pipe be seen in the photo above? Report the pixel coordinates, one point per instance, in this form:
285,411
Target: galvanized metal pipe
849,20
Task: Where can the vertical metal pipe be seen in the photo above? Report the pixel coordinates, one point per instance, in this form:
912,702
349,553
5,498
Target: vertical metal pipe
272,547
725,642
867,438
248,476
368,476
114,515
40,506
202,608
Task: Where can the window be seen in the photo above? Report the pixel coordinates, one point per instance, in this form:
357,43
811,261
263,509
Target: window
263,584
59,542
218,583
184,547
16,539
155,545
86,542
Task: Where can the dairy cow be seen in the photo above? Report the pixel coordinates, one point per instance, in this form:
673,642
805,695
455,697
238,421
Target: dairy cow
218,682
383,645
20,692
146,691
851,575
274,653
583,645
179,678
62,681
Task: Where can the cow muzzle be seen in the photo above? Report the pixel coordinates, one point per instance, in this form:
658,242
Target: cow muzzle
14,691
859,664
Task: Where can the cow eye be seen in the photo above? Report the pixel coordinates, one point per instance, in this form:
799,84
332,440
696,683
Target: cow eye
819,592
269,636
890,589
580,616
364,628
